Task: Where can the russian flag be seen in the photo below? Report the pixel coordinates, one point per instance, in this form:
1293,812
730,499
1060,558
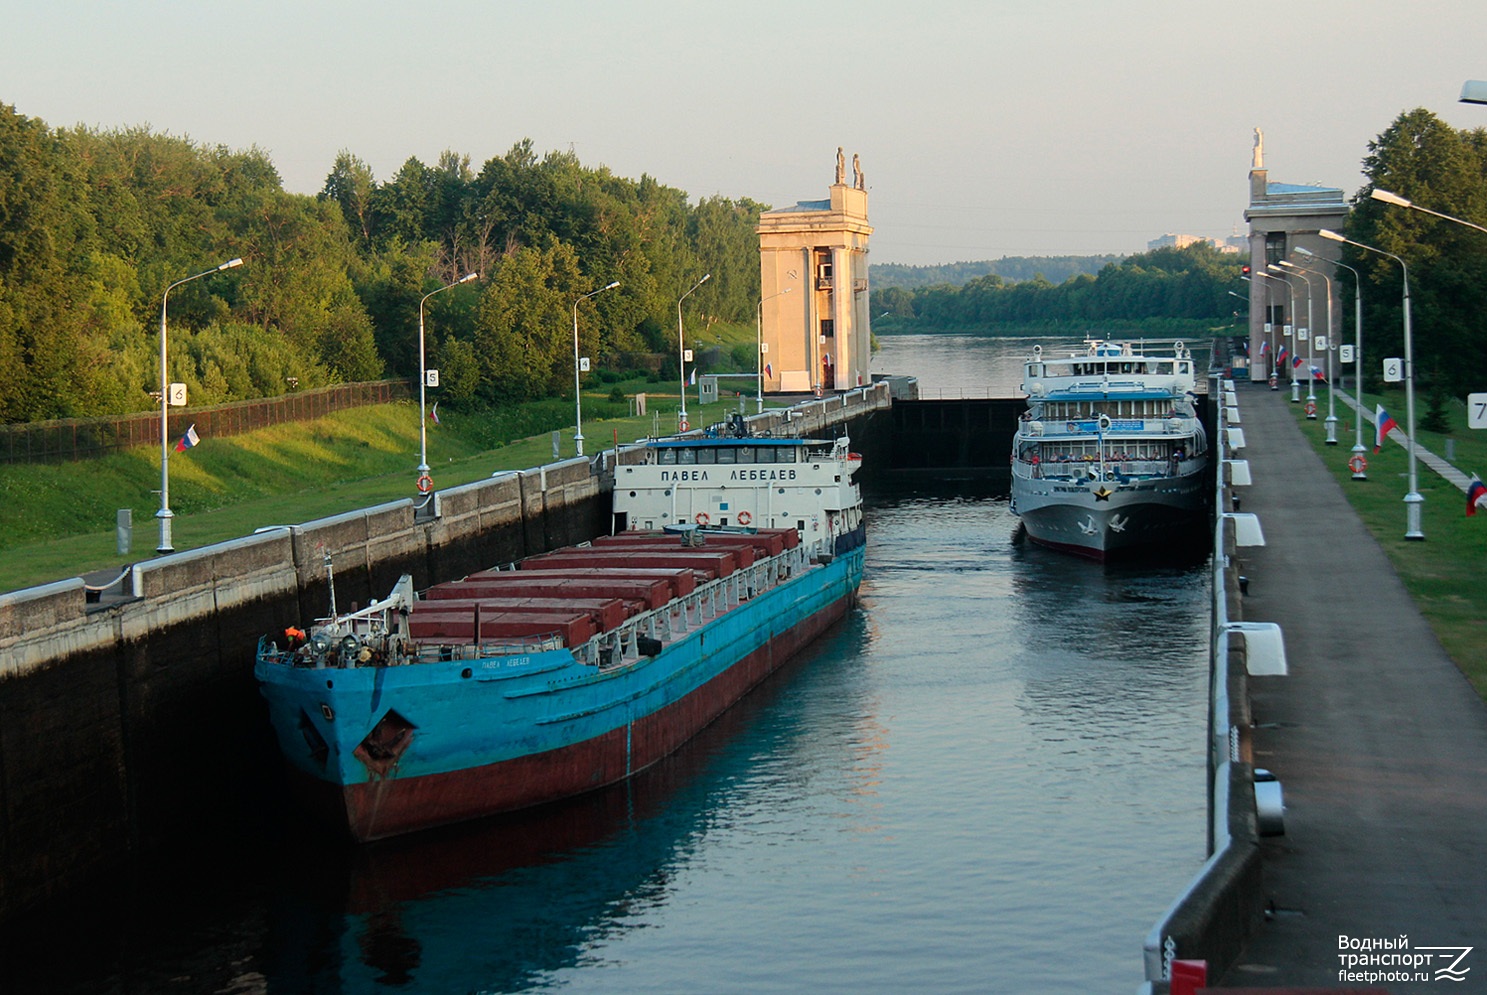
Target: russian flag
188,440
768,370
1318,374
1280,356
1476,496
1383,424
434,413
693,382
1296,362
1264,346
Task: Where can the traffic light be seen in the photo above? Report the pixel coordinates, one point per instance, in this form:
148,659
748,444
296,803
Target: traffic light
1244,270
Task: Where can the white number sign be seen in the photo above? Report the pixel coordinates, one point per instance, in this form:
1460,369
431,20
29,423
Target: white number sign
1393,370
1476,411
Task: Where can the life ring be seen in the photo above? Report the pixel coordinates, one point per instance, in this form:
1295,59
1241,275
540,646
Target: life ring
425,483
700,518
684,426
1357,464
744,518
1311,408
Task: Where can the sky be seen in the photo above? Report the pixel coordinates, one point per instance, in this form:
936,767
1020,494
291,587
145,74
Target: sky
986,128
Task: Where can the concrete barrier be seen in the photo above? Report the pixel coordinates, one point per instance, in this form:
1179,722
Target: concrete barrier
1223,905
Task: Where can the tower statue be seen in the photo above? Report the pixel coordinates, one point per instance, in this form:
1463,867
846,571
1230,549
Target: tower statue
1258,162
858,180
841,166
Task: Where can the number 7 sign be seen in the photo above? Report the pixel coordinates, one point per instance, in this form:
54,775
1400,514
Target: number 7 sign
1476,410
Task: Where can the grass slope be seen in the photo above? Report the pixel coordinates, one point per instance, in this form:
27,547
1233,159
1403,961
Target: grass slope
57,520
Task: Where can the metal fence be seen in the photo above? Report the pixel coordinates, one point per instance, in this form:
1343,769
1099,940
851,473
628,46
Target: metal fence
86,438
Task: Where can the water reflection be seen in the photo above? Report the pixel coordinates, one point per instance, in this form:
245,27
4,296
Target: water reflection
503,905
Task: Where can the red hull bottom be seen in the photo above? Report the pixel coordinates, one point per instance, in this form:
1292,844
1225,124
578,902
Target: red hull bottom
390,807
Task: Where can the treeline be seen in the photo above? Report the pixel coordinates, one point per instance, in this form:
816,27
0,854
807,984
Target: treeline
1056,269
1187,284
95,225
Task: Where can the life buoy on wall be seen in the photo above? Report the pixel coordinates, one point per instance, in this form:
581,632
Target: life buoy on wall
744,518
1311,409
1357,464
425,483
684,426
701,518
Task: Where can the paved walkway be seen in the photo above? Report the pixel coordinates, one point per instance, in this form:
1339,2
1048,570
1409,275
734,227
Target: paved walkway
1453,476
1379,741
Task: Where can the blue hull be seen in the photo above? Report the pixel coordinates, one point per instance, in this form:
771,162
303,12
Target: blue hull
386,750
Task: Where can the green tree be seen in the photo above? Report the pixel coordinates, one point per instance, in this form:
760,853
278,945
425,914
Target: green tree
1420,157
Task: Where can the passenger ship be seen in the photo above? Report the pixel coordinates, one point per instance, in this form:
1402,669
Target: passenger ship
1110,454
577,668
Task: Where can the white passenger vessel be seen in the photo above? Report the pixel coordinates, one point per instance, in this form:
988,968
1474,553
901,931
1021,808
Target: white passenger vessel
1110,454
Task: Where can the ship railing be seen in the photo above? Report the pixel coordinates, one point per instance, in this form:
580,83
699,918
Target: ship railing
445,652
1089,469
652,629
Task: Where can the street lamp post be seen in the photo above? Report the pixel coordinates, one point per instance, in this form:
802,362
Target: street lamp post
1413,499
759,347
1359,473
165,514
1274,351
1295,326
1398,201
1331,419
681,352
577,394
1311,331
425,483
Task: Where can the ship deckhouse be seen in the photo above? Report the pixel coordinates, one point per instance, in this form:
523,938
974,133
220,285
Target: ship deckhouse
760,483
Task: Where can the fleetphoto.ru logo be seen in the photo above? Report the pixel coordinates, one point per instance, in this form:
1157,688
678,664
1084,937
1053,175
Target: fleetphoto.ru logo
1371,960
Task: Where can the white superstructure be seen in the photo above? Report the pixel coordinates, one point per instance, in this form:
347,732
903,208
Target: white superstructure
1110,453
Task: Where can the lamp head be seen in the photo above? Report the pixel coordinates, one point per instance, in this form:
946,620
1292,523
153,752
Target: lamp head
612,285
1305,251
230,264
467,278
1389,198
1332,235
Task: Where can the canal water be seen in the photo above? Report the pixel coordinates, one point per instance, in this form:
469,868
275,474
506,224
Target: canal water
988,779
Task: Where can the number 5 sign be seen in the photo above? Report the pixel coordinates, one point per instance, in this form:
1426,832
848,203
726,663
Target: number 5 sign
1476,411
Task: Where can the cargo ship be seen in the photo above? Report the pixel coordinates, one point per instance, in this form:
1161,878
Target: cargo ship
1110,455
574,669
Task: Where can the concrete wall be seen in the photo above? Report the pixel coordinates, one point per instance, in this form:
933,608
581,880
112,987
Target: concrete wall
136,724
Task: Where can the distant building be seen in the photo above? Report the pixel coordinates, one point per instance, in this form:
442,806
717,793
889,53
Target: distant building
814,322
1281,217
1172,241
